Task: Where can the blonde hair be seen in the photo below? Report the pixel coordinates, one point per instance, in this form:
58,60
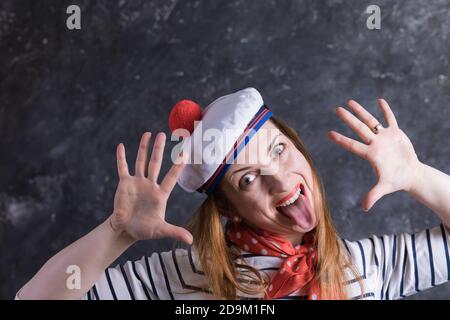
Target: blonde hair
225,272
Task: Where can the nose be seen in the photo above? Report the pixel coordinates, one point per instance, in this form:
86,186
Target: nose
276,180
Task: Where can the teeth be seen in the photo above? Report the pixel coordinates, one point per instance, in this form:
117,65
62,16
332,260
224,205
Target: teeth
291,200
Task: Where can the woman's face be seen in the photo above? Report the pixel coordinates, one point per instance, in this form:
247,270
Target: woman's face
270,171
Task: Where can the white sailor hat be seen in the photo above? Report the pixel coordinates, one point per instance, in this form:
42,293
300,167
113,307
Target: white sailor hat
214,137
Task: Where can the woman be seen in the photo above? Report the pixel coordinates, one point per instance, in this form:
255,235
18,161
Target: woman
279,241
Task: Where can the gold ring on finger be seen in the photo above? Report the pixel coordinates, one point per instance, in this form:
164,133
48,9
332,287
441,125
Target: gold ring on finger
377,128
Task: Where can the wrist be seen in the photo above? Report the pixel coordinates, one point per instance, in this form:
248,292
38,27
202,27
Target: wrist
117,234
417,181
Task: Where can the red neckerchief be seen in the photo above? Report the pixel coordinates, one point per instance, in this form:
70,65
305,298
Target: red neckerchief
298,267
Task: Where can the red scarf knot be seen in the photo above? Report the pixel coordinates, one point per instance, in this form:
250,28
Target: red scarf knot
299,264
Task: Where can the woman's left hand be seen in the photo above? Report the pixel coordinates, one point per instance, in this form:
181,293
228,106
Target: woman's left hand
389,151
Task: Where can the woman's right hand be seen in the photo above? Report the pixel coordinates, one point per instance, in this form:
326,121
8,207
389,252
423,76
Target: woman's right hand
140,202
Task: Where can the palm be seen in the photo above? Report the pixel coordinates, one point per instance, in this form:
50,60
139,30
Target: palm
142,210
395,173
140,202
390,151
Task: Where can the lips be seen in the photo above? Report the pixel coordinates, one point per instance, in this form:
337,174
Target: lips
300,211
290,194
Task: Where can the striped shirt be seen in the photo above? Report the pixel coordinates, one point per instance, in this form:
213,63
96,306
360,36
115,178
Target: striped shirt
389,266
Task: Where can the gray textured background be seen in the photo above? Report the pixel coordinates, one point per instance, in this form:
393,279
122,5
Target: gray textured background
67,98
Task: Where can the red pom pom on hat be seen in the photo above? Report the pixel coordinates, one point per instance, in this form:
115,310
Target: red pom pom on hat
183,115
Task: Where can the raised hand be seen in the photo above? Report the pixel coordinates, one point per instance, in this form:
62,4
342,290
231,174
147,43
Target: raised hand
388,149
140,202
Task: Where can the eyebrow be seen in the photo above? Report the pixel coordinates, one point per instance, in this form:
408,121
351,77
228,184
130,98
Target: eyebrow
268,150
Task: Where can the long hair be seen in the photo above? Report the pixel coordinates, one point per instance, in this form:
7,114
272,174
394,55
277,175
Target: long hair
225,271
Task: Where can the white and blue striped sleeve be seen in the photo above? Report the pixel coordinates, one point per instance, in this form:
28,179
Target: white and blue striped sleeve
167,275
406,263
132,280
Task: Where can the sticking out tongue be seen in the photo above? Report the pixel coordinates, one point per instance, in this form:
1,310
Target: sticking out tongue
300,212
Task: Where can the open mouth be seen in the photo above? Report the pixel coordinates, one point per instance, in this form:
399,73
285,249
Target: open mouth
292,196
297,207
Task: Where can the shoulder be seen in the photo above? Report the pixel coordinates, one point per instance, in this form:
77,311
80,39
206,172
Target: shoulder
177,273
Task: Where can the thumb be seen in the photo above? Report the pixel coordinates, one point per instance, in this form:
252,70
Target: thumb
178,233
377,192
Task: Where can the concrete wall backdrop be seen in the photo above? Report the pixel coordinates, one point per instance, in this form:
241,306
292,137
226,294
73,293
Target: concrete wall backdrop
67,98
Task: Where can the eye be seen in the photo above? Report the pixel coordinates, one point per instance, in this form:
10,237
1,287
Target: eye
279,148
247,179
